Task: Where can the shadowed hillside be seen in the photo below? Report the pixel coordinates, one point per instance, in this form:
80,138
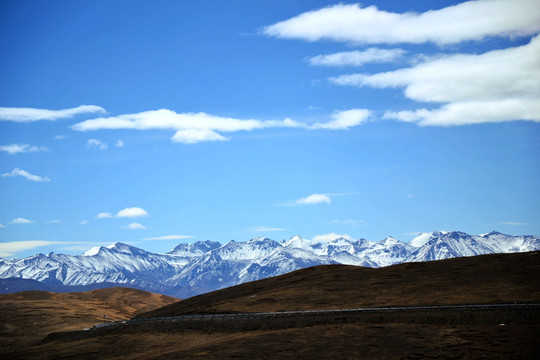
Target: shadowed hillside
495,278
28,316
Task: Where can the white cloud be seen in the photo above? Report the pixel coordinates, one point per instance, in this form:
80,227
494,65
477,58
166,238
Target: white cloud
2,226
22,148
497,86
31,114
56,221
59,137
84,222
135,226
314,199
497,74
132,212
95,143
329,237
10,248
471,112
357,58
170,237
189,127
512,223
119,143
104,215
266,229
20,220
26,174
470,20
342,120
193,136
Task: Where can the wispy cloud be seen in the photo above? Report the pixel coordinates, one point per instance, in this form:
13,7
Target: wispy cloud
119,143
512,223
343,120
55,221
104,215
314,199
21,220
470,20
32,114
135,226
11,248
98,144
22,148
26,174
2,226
170,237
357,58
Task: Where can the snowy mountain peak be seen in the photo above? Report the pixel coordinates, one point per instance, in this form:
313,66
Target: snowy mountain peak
194,249
421,239
125,248
299,243
389,240
492,233
259,239
93,251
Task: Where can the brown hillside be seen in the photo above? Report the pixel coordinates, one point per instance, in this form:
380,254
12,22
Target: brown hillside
505,334
26,317
498,278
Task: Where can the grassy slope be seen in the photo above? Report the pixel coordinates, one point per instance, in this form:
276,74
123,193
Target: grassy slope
495,278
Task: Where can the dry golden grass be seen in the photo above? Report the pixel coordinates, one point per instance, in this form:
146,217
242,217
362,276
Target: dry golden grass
27,317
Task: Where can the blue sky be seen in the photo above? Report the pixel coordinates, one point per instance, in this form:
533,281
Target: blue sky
155,123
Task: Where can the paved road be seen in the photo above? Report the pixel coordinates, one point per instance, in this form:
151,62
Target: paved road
321,312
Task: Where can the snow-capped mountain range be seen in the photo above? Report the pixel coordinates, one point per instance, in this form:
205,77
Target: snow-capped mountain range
204,266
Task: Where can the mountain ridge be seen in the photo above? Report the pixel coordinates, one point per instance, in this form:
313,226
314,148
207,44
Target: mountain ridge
203,266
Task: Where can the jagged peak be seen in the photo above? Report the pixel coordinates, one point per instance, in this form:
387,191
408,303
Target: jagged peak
117,245
125,248
389,239
93,251
260,239
491,233
197,245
